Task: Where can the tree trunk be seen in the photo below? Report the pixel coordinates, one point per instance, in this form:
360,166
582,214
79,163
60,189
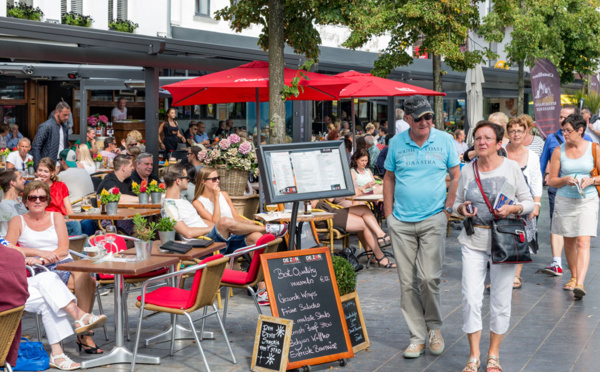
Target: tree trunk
276,45
521,88
438,101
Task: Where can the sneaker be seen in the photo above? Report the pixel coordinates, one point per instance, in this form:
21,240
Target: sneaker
436,342
414,351
276,229
553,269
263,299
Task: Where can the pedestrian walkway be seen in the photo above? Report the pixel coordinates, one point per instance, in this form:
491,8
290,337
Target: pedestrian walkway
549,331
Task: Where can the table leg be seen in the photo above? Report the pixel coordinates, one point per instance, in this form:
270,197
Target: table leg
120,353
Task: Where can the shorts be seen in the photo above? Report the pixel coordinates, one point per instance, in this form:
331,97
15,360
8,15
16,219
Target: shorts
234,242
64,275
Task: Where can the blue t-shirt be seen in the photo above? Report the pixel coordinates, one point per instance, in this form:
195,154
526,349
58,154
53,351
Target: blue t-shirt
420,174
199,138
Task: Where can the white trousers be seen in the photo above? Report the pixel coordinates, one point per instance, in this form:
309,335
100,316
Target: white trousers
48,296
474,268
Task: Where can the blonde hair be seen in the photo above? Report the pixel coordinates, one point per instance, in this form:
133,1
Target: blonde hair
84,155
527,119
499,118
330,126
135,134
369,127
201,176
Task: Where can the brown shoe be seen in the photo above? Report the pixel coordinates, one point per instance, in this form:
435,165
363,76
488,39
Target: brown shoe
414,351
436,342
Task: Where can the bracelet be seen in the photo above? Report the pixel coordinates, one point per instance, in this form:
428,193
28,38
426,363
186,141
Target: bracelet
537,203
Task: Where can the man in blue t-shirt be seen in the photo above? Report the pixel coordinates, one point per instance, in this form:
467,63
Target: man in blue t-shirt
417,211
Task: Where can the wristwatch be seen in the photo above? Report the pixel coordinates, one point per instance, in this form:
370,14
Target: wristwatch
448,209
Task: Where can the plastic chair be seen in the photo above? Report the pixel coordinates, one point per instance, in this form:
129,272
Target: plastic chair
9,322
178,301
247,280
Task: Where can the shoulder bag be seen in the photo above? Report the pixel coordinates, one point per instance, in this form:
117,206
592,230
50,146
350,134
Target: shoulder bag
509,241
594,172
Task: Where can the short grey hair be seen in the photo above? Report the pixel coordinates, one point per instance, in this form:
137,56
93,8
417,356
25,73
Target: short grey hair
13,126
369,140
399,114
143,156
24,139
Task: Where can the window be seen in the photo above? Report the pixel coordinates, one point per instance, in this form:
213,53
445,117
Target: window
203,7
76,6
120,10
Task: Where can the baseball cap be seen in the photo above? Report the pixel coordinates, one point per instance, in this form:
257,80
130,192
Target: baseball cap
417,106
69,157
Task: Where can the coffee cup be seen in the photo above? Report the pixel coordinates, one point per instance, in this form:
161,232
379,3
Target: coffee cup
93,252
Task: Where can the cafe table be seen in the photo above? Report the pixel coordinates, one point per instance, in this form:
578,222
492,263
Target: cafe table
120,353
122,214
137,205
300,218
181,332
367,198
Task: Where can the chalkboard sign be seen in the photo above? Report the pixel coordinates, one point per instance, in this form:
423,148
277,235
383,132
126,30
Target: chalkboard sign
355,322
302,287
271,344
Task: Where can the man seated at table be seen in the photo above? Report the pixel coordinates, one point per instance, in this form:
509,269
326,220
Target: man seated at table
110,149
190,225
143,169
78,180
12,183
90,141
120,179
17,159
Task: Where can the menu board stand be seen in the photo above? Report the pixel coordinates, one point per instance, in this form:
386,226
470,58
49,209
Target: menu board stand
292,230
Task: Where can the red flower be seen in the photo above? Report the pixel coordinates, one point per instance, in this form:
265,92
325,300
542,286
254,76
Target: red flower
162,186
144,183
115,191
171,150
142,189
14,149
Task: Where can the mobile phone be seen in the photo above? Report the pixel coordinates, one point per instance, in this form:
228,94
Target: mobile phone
470,209
468,224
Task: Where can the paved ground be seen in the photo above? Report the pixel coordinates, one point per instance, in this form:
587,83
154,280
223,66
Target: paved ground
549,331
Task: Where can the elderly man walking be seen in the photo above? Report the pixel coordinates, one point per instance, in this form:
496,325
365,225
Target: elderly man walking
417,212
52,135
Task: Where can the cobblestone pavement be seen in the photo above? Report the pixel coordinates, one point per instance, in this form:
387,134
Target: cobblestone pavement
548,331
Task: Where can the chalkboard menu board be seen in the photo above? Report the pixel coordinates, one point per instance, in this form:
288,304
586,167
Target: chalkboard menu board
302,287
271,344
355,322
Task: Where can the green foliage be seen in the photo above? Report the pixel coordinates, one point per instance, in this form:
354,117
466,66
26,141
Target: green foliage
166,224
344,275
23,11
563,31
123,25
76,19
143,229
295,89
591,100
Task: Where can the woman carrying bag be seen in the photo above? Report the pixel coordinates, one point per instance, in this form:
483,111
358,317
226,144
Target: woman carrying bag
492,174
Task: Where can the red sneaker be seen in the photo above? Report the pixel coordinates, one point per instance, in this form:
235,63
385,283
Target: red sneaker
553,269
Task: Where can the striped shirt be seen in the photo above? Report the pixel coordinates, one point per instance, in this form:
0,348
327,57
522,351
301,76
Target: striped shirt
537,145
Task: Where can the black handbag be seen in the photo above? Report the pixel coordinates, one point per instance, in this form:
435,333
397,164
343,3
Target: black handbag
509,241
349,253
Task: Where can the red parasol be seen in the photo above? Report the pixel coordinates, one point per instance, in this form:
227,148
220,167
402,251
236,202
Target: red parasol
367,85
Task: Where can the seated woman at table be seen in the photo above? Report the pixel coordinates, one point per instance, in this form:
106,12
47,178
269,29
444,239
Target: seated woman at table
84,159
364,182
60,201
43,234
360,220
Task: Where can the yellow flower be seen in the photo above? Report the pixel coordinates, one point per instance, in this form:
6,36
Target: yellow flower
104,192
134,184
154,183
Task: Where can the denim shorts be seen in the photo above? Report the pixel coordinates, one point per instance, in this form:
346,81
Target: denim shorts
64,275
233,243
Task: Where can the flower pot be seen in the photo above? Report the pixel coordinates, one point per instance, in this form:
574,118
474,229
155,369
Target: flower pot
166,236
31,171
98,164
232,180
156,197
3,158
142,250
111,208
144,198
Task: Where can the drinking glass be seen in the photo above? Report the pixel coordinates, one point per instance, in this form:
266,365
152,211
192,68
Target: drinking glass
86,204
271,208
110,236
99,241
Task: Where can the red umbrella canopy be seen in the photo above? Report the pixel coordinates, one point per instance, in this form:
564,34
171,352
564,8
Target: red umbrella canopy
367,85
239,85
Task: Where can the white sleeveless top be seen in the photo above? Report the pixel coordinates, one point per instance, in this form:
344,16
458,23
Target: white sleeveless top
210,206
46,240
90,168
363,179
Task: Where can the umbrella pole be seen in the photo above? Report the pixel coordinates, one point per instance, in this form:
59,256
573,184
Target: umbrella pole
260,186
353,123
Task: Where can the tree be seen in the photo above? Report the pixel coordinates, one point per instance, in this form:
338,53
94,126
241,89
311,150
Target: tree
442,26
565,32
289,22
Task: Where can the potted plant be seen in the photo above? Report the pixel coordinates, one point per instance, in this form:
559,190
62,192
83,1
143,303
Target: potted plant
3,154
98,161
142,191
99,122
111,200
166,229
122,25
234,160
29,165
24,11
156,191
344,275
144,231
76,19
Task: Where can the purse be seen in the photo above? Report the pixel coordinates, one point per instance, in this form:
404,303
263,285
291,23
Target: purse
594,172
32,356
349,254
509,241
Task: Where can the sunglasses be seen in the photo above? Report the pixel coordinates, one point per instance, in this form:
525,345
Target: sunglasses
41,198
426,117
214,179
185,178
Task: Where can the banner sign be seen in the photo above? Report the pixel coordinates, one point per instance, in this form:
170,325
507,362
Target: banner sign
545,85
594,85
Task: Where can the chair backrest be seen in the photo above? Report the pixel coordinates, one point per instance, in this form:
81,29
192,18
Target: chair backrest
96,181
272,247
119,241
76,243
207,282
9,323
255,264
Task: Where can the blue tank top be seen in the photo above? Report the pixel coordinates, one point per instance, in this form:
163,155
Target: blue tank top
581,168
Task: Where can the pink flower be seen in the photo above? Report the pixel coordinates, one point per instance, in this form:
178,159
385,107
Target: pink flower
224,144
92,121
245,148
202,155
103,119
234,138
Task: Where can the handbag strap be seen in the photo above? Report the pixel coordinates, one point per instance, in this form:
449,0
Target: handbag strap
478,180
594,147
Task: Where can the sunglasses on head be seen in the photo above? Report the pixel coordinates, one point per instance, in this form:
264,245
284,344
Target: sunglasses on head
41,198
426,117
214,179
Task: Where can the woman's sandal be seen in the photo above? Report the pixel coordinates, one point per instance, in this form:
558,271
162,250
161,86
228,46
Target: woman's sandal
66,365
472,365
517,282
493,364
87,348
570,284
389,265
579,292
93,321
384,242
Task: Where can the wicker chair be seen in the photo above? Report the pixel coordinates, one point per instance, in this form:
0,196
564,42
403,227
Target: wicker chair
177,301
330,234
9,322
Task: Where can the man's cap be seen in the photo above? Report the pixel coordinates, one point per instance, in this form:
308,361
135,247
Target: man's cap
69,157
417,106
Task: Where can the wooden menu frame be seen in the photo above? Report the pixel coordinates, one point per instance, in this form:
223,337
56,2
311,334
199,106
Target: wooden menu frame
286,343
367,342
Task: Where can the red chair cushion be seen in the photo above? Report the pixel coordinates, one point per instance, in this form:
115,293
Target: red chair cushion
173,298
236,277
119,241
197,276
145,275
